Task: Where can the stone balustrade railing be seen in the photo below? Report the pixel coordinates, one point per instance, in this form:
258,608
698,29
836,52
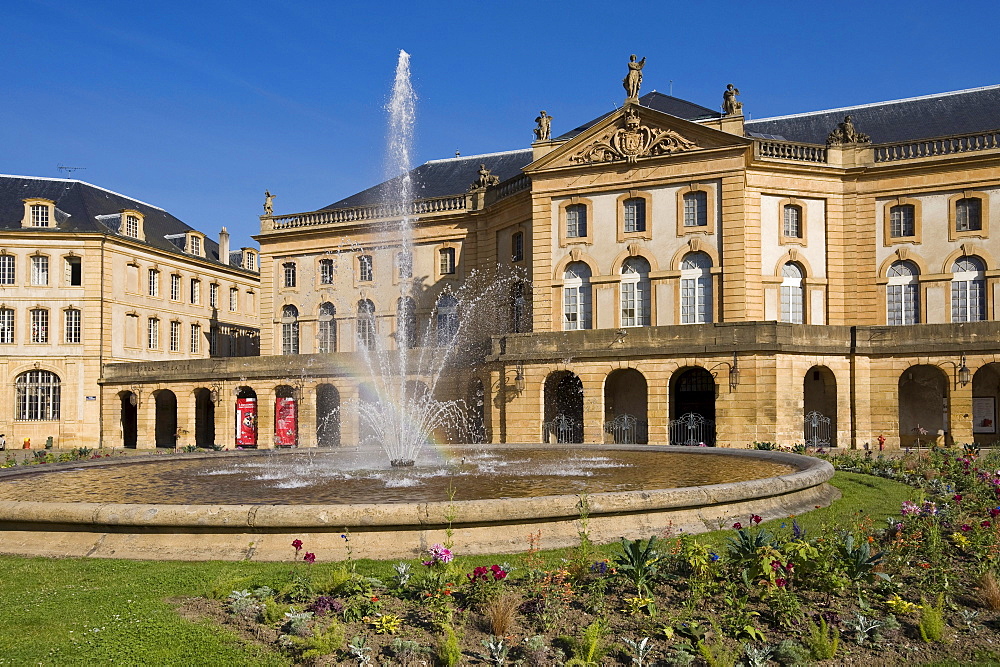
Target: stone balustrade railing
789,150
962,143
509,187
362,213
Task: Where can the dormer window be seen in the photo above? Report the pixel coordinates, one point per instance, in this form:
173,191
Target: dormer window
195,245
249,259
38,213
131,224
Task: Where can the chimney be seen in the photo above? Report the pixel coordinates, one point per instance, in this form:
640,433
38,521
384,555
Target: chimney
224,246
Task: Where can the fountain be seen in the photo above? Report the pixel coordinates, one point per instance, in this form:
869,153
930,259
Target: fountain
151,508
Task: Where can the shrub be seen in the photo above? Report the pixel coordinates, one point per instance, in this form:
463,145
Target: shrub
932,620
790,652
637,561
407,651
449,650
323,642
590,648
821,640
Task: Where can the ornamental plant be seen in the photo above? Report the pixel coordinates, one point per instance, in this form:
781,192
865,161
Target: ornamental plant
485,584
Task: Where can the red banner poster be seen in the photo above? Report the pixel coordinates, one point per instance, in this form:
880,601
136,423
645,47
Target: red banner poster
246,422
286,428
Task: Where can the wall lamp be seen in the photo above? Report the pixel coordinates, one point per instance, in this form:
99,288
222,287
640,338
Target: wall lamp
215,393
519,382
963,375
734,371
134,395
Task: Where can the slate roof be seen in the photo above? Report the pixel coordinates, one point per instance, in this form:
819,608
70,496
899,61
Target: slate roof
440,178
940,115
82,207
674,106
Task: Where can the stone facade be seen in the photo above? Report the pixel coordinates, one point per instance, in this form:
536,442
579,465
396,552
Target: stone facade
747,280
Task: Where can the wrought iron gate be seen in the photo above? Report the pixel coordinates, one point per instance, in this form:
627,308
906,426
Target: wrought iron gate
692,430
627,430
564,428
817,430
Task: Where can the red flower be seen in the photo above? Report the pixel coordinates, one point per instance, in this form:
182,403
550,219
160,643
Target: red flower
957,497
737,525
995,512
297,544
775,565
780,583
755,518
374,598
309,557
966,527
985,524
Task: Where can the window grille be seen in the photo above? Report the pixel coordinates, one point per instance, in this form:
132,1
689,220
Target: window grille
37,396
366,324
404,265
39,215
447,319
635,293
234,299
8,266
194,245
132,226
968,290
195,291
792,294
406,322
902,294
72,321
576,297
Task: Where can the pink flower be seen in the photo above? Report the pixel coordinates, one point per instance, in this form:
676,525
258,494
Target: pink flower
966,527
775,565
297,544
309,557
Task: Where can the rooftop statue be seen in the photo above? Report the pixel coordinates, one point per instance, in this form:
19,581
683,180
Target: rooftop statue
268,203
485,179
633,79
847,134
543,129
730,105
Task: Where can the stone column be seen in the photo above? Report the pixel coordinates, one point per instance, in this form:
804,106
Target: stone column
185,417
225,415
960,411
306,405
265,417
593,406
146,419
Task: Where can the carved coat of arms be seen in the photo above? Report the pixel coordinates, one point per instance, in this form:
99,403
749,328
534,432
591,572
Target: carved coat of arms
632,141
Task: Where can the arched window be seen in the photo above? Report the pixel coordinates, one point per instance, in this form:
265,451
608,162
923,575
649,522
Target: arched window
447,318
696,288
327,329
635,292
289,330
792,293
366,324
576,296
903,294
406,322
37,396
968,290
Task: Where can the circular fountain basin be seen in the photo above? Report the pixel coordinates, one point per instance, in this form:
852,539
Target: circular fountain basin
240,505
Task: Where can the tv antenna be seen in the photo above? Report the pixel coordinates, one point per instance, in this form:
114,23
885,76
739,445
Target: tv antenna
69,170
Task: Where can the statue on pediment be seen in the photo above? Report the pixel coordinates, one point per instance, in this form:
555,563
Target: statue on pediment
268,203
543,127
633,79
730,105
485,180
846,133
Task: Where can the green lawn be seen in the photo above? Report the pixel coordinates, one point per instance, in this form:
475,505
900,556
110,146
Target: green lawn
78,611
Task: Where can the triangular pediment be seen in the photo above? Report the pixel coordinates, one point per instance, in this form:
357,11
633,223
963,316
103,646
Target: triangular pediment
632,135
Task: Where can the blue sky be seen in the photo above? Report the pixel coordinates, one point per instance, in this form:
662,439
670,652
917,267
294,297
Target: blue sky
198,107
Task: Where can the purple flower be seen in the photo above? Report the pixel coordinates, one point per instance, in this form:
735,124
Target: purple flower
309,557
966,527
297,545
712,556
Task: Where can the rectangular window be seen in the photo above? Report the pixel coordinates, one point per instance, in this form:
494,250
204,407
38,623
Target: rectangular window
366,272
71,325
195,291
234,299
446,261
8,264
39,270
968,215
73,271
793,222
571,308
195,338
517,247
153,334
213,295
696,307
39,215
901,221
175,336
39,326
6,325
288,269
576,221
635,215
250,261
153,283
326,271
903,304
213,342
131,227
696,209
194,244
175,287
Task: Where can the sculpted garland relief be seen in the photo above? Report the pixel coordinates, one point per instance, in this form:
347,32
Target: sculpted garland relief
632,142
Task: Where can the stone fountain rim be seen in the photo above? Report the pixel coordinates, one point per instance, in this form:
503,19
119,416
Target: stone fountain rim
809,472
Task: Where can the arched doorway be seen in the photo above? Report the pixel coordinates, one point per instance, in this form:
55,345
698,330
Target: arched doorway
923,406
204,418
625,398
985,392
166,418
246,417
692,407
129,418
286,417
563,408
819,401
327,416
